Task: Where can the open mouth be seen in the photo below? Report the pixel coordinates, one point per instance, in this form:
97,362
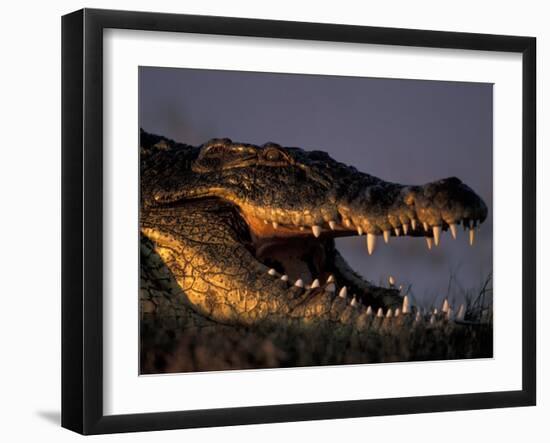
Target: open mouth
305,256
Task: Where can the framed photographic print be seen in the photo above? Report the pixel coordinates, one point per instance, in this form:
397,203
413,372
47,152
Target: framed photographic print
269,221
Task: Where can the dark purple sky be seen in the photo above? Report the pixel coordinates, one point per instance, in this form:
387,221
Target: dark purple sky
408,131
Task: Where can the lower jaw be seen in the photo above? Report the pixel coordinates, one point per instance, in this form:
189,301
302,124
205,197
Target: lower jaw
313,262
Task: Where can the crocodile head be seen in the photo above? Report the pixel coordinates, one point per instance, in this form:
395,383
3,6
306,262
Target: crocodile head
271,212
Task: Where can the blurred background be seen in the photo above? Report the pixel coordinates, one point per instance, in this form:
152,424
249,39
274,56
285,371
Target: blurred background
407,131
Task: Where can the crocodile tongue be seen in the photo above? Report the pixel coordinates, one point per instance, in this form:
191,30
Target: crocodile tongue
298,258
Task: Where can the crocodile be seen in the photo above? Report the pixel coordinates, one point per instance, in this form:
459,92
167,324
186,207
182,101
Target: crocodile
239,239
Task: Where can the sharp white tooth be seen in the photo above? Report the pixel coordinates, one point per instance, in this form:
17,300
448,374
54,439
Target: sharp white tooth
461,312
359,230
353,301
389,314
272,272
284,278
302,228
426,227
397,232
417,317
275,224
434,312
316,230
445,307
429,241
369,311
371,243
315,284
299,283
437,234
406,228
391,280
472,236
405,308
449,314
347,222
397,312
400,288
380,313
432,319
343,292
332,224
386,237
413,224
452,227
266,222
331,287
330,278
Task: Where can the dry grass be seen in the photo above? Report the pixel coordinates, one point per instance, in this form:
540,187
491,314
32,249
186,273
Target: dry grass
182,346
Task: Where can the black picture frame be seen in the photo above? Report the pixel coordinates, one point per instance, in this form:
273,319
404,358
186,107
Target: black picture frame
82,218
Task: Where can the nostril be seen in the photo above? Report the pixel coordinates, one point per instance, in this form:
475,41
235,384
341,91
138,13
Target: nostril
409,195
409,199
455,181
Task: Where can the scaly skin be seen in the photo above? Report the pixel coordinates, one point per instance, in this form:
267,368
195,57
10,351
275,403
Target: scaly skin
237,245
220,216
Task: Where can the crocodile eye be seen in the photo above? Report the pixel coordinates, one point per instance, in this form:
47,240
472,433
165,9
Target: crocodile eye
273,155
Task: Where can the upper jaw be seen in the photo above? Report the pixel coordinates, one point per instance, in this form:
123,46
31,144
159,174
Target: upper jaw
397,209
383,209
